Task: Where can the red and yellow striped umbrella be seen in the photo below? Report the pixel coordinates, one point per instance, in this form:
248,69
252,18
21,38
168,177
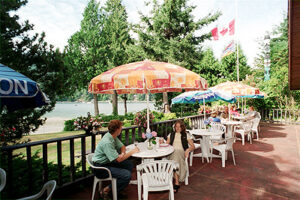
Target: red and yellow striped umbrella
146,76
236,89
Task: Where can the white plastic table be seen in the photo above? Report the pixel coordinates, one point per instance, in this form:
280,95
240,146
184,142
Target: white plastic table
205,142
230,125
241,118
147,155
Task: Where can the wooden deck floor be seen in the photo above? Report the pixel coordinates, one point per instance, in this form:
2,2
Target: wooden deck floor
267,169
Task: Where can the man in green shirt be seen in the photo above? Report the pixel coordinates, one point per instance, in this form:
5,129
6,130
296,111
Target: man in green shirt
111,153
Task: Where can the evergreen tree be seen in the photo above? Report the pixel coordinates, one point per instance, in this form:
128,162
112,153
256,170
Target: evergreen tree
31,56
169,35
229,67
86,49
118,38
210,68
277,87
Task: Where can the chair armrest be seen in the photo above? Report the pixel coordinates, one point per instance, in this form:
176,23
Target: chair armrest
103,168
36,196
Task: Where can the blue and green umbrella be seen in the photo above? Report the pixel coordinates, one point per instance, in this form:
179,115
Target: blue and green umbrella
193,97
18,91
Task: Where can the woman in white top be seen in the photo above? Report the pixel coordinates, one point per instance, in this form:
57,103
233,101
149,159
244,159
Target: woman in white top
183,145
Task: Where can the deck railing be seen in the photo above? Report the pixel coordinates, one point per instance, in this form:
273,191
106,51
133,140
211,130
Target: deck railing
284,116
128,136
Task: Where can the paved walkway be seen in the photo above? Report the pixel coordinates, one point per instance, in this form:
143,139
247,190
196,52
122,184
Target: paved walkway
267,169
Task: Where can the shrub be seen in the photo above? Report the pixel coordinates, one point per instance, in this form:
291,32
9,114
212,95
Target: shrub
141,118
157,116
187,123
87,123
127,123
21,181
169,116
69,125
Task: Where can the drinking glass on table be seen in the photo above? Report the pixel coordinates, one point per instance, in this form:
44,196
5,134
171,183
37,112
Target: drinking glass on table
161,140
136,143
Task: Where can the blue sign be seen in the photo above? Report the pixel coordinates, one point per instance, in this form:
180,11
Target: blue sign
18,91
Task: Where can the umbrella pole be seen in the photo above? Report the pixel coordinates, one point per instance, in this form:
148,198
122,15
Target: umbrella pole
229,110
148,123
204,108
242,106
245,105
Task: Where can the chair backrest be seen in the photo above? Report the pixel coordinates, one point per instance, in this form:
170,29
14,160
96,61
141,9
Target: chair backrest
255,123
158,173
229,143
258,115
49,186
2,179
89,160
247,126
219,127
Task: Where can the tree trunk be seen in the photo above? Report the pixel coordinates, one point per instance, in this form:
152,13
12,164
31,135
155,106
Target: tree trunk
166,103
96,108
115,103
125,103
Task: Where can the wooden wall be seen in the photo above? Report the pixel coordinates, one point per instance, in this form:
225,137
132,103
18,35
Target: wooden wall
294,44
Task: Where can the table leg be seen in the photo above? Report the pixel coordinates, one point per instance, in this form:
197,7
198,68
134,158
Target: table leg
139,181
205,147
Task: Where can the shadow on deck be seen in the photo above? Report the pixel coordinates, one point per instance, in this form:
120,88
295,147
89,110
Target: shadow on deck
267,169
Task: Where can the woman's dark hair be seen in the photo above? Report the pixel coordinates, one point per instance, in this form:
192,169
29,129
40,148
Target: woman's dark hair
114,125
182,126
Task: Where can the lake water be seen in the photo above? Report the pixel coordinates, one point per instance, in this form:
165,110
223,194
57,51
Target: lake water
73,110
69,110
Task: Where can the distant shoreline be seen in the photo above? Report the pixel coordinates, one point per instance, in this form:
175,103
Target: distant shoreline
66,110
121,101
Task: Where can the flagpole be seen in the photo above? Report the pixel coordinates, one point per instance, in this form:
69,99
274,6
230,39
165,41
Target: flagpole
236,42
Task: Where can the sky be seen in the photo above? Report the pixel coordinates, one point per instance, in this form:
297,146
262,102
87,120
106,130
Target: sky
59,19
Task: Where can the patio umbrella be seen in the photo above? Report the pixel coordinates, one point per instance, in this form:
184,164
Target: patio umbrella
193,97
237,89
144,77
18,91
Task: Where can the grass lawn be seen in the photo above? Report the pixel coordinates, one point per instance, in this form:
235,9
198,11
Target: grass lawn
52,147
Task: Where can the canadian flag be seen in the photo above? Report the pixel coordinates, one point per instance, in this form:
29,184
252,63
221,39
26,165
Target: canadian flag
230,30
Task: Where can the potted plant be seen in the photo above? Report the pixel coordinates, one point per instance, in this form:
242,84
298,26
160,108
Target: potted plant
151,138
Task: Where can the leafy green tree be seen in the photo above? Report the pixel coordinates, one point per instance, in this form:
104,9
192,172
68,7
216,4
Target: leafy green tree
99,45
169,35
33,57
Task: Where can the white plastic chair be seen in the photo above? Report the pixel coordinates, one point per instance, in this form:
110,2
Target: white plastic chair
2,179
259,117
186,181
49,186
97,180
245,131
157,176
217,127
197,146
254,129
223,149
